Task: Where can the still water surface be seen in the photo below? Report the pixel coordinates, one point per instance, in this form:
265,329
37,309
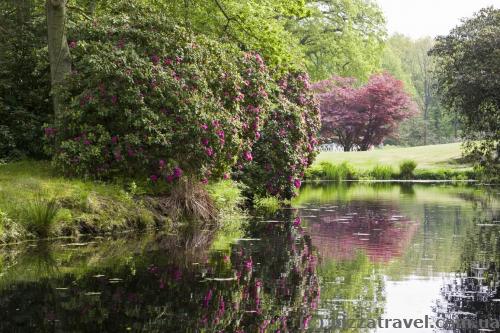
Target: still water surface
341,251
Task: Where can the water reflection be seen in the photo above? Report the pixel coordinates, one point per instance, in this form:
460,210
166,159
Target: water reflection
386,249
343,251
379,230
155,286
474,293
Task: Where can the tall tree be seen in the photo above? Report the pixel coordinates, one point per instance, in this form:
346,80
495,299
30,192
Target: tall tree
341,37
408,60
468,70
251,24
359,118
59,56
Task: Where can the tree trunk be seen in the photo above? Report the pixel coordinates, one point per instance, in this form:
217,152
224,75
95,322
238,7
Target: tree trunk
59,57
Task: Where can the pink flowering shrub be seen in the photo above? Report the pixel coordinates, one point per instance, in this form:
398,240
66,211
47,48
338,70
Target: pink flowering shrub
287,141
147,99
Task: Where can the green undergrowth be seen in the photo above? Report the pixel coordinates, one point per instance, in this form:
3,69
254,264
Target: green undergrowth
407,170
35,202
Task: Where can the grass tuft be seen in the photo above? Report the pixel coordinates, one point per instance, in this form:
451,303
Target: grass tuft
191,200
40,216
407,169
343,171
381,172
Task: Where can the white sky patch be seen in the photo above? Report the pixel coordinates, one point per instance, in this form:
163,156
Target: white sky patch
420,18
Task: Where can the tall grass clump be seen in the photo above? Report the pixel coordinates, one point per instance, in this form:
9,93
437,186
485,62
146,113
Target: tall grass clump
40,215
343,171
228,199
267,204
407,169
381,172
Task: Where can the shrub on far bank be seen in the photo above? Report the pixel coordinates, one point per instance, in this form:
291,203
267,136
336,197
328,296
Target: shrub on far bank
407,169
329,171
381,172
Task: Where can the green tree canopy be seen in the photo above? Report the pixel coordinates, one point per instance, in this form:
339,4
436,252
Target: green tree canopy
341,37
468,71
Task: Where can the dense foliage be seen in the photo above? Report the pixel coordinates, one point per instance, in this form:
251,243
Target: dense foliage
24,81
468,69
251,24
341,37
148,99
288,139
362,117
407,60
146,96
239,289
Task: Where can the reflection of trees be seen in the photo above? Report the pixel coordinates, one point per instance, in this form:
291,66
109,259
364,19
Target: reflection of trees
474,292
350,289
378,229
262,285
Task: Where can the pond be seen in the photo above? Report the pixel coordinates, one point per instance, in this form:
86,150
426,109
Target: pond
342,252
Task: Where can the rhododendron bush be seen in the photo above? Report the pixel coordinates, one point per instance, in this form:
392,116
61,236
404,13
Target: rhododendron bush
288,139
147,98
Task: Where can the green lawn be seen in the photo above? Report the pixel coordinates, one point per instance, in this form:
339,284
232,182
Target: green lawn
433,157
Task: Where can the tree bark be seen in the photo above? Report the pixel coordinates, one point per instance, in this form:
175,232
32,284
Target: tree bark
59,56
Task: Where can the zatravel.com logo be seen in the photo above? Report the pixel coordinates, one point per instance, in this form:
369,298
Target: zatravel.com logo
407,323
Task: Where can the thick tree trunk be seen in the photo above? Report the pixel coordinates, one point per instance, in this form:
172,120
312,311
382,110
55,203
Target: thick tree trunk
59,57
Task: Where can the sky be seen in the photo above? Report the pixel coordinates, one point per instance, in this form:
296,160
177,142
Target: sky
419,18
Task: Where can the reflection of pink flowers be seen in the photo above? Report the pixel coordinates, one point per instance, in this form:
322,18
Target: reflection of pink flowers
49,132
305,323
207,298
297,222
249,264
177,274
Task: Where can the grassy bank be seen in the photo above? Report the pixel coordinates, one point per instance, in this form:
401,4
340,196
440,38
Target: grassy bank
436,162
36,202
346,171
432,157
